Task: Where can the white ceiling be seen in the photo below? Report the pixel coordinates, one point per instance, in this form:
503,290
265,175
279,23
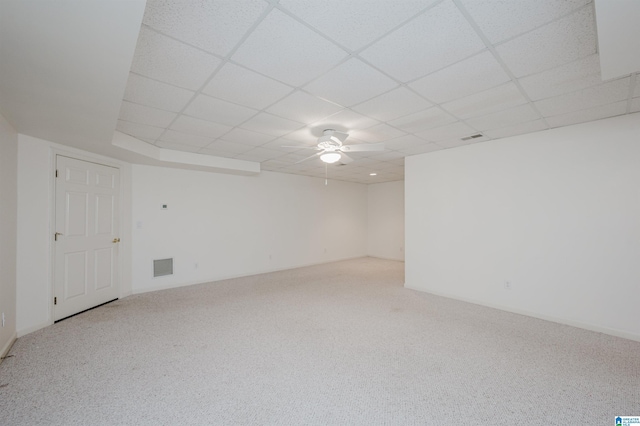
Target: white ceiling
241,78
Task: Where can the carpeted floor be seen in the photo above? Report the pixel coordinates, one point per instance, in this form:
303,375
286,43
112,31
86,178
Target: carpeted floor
342,343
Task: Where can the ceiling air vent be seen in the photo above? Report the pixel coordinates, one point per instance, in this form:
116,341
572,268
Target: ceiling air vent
162,267
468,138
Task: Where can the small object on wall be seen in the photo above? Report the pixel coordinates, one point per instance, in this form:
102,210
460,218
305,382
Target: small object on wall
164,206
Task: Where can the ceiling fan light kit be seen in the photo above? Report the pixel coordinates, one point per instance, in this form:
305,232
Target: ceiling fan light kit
331,150
330,157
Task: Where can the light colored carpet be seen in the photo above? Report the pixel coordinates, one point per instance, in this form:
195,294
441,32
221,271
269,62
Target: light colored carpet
342,343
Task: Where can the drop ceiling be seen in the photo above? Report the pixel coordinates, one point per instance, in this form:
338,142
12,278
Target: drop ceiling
239,79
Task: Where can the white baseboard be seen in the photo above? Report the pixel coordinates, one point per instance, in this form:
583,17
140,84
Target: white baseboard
230,277
27,330
386,258
565,321
7,347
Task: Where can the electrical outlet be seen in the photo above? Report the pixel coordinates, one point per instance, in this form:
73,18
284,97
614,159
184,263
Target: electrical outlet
195,266
507,285
325,251
269,257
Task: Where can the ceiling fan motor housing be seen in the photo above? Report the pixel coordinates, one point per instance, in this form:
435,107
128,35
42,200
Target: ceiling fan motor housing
329,143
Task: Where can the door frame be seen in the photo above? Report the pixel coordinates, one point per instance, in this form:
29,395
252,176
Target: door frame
124,211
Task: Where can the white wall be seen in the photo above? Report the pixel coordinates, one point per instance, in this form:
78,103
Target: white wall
555,213
240,225
386,220
34,246
8,219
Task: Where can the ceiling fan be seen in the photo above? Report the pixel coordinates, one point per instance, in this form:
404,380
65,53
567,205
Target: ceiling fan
331,149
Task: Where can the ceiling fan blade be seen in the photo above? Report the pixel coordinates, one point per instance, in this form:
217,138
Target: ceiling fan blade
309,157
340,135
363,147
299,147
345,159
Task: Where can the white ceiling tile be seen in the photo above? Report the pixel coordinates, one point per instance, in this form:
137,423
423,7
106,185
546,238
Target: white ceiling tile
247,137
259,154
278,143
404,142
492,100
434,40
504,118
566,78
177,146
589,114
516,17
293,157
238,85
271,124
140,131
215,26
165,59
452,143
303,107
218,111
370,163
518,129
390,155
346,121
635,105
419,121
307,135
391,165
354,23
421,149
473,75
233,148
393,104
313,165
396,169
286,50
145,115
375,134
185,139
142,90
350,83
603,94
450,131
557,43
199,127
397,161
272,165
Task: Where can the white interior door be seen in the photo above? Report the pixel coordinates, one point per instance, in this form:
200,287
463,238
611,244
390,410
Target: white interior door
86,240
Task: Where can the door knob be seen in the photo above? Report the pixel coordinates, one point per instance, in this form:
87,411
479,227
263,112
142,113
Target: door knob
116,240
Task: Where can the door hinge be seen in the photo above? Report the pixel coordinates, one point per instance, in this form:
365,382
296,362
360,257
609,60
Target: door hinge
55,300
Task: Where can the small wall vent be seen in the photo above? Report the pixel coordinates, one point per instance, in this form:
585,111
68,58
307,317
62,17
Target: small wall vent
472,137
162,267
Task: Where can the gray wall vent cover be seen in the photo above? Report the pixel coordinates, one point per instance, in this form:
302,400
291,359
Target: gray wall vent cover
162,267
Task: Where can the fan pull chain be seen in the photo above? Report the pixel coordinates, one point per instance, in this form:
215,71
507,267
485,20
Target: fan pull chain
326,181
